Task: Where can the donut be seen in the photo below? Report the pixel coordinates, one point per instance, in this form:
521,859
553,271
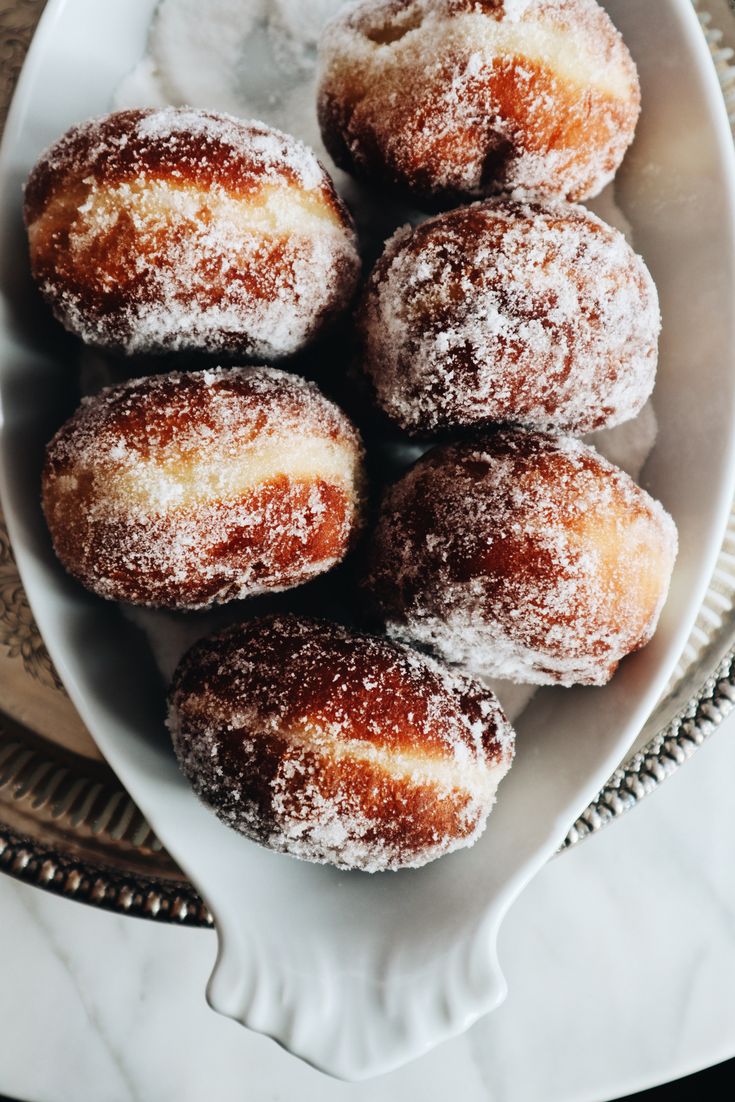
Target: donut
335,746
450,100
521,555
187,490
156,231
510,312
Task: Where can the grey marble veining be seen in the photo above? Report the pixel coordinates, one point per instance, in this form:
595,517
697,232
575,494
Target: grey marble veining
620,959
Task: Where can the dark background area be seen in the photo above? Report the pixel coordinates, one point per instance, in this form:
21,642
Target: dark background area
711,1085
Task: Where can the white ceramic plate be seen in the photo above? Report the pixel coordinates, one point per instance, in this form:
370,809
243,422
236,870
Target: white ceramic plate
358,974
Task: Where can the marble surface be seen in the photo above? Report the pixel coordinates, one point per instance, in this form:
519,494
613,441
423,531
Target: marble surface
620,958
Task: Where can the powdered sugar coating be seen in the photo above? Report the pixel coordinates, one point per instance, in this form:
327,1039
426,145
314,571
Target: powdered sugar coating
187,490
522,556
335,746
506,311
178,229
456,99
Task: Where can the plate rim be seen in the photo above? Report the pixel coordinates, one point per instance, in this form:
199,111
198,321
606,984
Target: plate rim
674,742
56,6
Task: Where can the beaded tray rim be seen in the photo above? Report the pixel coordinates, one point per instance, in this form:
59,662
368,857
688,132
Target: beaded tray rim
32,774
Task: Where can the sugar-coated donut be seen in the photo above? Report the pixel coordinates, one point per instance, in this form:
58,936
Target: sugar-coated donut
504,311
457,99
165,230
336,746
186,490
524,556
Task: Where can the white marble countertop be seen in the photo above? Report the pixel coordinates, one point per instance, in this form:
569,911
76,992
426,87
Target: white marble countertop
620,959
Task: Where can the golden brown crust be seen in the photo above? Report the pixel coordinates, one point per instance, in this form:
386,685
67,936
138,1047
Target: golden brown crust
113,149
539,315
336,746
523,556
186,490
412,97
154,231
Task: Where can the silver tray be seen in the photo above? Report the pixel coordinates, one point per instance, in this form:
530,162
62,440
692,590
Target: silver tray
66,822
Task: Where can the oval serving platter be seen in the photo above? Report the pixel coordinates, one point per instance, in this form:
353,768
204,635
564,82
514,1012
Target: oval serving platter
358,974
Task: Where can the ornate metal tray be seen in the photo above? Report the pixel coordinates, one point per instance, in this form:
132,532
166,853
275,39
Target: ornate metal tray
67,824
